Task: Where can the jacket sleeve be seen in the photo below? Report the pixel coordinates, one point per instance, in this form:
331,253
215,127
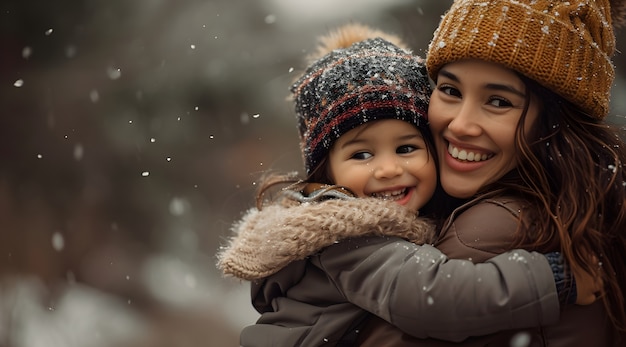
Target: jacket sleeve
425,294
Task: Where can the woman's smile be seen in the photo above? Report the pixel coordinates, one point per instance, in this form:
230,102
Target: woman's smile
474,115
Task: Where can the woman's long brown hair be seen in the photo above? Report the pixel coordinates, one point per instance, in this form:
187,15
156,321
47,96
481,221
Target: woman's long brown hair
571,168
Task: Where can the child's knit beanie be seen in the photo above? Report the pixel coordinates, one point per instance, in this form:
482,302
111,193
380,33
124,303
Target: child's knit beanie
564,45
359,76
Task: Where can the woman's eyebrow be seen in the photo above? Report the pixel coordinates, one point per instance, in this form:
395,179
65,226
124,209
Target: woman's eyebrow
449,75
505,88
492,86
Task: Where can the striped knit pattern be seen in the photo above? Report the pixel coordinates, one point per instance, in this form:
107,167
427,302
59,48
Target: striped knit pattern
564,45
370,80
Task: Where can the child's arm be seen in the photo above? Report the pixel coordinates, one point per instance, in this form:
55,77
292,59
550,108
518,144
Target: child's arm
267,240
425,294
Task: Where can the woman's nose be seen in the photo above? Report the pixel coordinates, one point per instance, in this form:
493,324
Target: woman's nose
464,123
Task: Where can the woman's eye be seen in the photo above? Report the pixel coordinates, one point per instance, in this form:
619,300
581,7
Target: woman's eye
499,102
406,149
361,155
449,90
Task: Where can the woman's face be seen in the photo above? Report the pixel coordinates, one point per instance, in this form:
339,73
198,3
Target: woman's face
386,159
473,113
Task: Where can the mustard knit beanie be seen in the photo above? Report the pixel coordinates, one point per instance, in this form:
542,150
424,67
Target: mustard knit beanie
358,75
564,45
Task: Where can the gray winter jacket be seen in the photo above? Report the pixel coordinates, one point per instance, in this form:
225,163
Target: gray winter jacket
312,293
477,231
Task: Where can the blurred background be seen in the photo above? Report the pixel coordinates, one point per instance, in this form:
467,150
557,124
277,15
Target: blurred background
131,137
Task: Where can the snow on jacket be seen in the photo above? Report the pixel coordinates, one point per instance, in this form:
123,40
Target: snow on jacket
317,269
478,231
297,226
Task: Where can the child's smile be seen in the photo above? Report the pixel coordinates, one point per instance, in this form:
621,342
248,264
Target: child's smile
385,159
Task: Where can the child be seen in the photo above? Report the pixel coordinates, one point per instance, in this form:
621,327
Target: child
361,112
392,95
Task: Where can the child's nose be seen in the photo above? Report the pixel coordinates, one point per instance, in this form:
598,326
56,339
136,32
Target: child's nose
387,167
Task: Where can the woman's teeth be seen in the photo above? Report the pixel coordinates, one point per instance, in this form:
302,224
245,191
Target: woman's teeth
390,195
465,155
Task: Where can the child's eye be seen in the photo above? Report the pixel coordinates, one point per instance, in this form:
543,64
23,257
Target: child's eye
449,90
406,149
499,102
361,155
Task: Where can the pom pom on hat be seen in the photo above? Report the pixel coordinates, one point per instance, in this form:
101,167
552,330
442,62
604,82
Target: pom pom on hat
345,36
564,45
357,75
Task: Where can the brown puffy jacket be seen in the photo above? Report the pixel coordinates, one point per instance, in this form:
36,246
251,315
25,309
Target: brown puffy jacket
315,290
477,231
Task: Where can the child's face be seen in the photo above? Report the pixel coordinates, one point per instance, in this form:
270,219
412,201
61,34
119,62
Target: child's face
386,159
474,114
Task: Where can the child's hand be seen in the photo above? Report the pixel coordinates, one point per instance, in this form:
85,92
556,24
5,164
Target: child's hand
588,287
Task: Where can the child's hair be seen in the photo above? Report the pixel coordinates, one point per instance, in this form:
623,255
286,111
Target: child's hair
357,75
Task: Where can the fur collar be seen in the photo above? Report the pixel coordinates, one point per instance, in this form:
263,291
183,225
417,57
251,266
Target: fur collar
264,241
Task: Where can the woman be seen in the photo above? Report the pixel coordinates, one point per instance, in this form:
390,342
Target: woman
518,116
